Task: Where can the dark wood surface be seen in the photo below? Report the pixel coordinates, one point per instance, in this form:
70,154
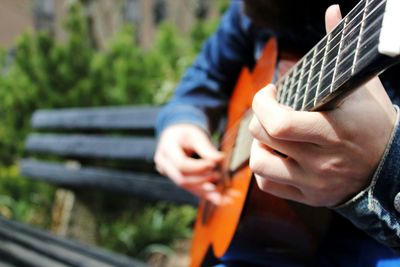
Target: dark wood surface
144,185
23,245
115,118
108,149
140,148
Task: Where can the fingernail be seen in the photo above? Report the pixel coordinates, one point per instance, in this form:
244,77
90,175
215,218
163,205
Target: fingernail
215,198
208,187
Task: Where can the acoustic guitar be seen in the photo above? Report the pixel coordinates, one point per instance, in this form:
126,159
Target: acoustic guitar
362,45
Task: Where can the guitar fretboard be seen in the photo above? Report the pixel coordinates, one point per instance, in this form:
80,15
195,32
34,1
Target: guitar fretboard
339,57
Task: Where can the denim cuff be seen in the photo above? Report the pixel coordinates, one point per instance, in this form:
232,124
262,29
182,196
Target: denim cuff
189,114
372,210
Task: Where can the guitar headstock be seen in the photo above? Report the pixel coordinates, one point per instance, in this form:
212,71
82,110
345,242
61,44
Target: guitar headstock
389,39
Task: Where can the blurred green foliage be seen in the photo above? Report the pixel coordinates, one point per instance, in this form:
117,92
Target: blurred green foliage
43,73
24,200
148,226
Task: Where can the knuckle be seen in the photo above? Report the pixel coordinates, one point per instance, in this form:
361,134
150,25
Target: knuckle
335,140
327,167
314,201
262,183
279,127
254,127
257,100
255,165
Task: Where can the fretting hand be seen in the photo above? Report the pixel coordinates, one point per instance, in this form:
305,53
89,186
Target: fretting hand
332,155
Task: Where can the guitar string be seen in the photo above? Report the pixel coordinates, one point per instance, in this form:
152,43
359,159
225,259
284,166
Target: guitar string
345,49
280,81
365,42
346,72
230,133
323,39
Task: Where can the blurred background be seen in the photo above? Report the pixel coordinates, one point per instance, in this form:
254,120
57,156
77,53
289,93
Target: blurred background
87,53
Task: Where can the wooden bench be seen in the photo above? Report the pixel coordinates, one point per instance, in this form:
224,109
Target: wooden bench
22,245
84,150
104,148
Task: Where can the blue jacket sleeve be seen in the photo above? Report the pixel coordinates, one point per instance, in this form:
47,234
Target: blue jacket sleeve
204,90
376,209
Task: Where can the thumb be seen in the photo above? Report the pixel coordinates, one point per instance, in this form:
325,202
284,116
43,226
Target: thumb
332,17
204,147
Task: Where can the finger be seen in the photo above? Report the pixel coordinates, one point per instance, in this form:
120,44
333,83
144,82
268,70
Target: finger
266,163
200,186
165,167
213,176
295,150
286,124
208,191
332,17
182,179
280,190
185,164
204,148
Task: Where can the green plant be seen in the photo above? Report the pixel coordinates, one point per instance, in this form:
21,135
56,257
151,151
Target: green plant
150,227
24,200
44,73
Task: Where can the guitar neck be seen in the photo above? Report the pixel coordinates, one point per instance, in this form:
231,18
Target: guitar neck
358,48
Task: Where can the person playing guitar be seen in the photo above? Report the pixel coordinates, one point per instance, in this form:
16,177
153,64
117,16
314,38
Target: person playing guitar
325,144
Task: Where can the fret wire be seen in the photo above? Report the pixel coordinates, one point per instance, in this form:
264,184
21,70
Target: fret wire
369,26
291,87
283,82
308,79
279,86
313,82
359,36
296,65
279,91
371,3
351,33
374,37
369,39
338,57
322,68
362,58
288,88
284,90
298,90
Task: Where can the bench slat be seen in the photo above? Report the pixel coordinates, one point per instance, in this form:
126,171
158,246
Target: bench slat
26,256
93,146
144,185
28,246
109,118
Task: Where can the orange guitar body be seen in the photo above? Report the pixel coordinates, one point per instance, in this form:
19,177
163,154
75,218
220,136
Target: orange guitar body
216,226
220,226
